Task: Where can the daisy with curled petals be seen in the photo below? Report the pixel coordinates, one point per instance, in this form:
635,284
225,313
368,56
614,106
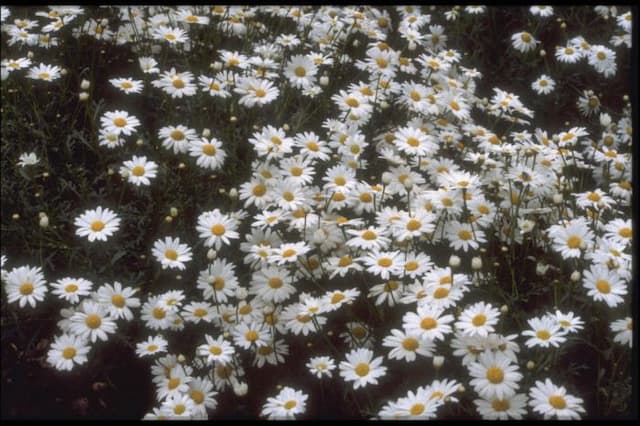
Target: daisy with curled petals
97,224
544,331
285,405
428,322
118,300
67,350
383,263
551,400
388,291
442,390
406,345
624,331
209,153
361,368
321,366
604,285
216,350
15,64
478,319
44,72
523,41
509,407
109,139
127,85
569,322
92,321
153,345
70,289
177,138
119,122
218,228
170,253
572,239
138,170
494,375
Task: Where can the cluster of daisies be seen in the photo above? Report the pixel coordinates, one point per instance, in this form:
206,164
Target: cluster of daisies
330,236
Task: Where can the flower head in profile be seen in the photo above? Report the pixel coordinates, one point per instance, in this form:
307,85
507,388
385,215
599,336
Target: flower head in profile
97,224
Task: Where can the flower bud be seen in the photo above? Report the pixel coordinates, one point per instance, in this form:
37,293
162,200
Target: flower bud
454,261
387,177
530,365
241,293
557,198
233,194
64,71
30,54
504,309
211,254
85,84
605,119
286,127
168,219
139,142
324,80
476,263
233,119
438,360
575,276
83,96
412,46
173,212
543,53
206,132
44,221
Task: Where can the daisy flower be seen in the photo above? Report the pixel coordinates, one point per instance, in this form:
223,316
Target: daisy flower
92,321
288,253
416,406
178,138
272,284
170,253
138,170
371,238
383,263
209,153
174,381
188,17
245,335
624,331
198,311
70,289
255,192
494,375
119,122
335,299
110,139
543,85
570,240
15,64
523,41
172,35
478,319
464,236
361,368
118,300
255,91
148,65
28,159
405,345
604,285
321,366
176,84
311,146
389,292
203,396
67,350
301,71
156,315
428,322
218,228
218,282
413,226
214,86
544,331
127,85
551,400
97,224
510,407
178,406
568,54
44,72
619,231
216,350
153,345
568,322
285,405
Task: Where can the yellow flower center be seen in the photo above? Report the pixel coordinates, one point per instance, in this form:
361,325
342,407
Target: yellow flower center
179,409
158,313
543,335
410,344
366,197
209,149
411,265
215,350
385,262
177,135
479,320
289,253
337,298
171,254
312,146
275,282
500,404
245,310
152,348
197,396
413,225
251,335
170,37
69,353
259,190
289,405
601,56
362,369
440,293
93,321
382,62
218,229
191,18
415,96
428,323
26,289
260,93
300,72
625,232
178,83
126,85
352,102
603,286
391,285
465,235
303,318
137,171
218,283
71,288
526,37
573,242
44,75
557,402
417,409
345,261
495,375
118,300
454,105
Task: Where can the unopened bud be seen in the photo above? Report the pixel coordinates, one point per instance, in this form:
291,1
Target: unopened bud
233,194
286,127
454,261
44,221
211,254
30,54
182,166
85,84
233,119
387,177
543,53
575,276
412,46
83,96
206,132
139,142
438,361
557,198
530,365
240,389
64,71
384,105
168,219
504,309
241,293
324,80
173,212
476,263
181,359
